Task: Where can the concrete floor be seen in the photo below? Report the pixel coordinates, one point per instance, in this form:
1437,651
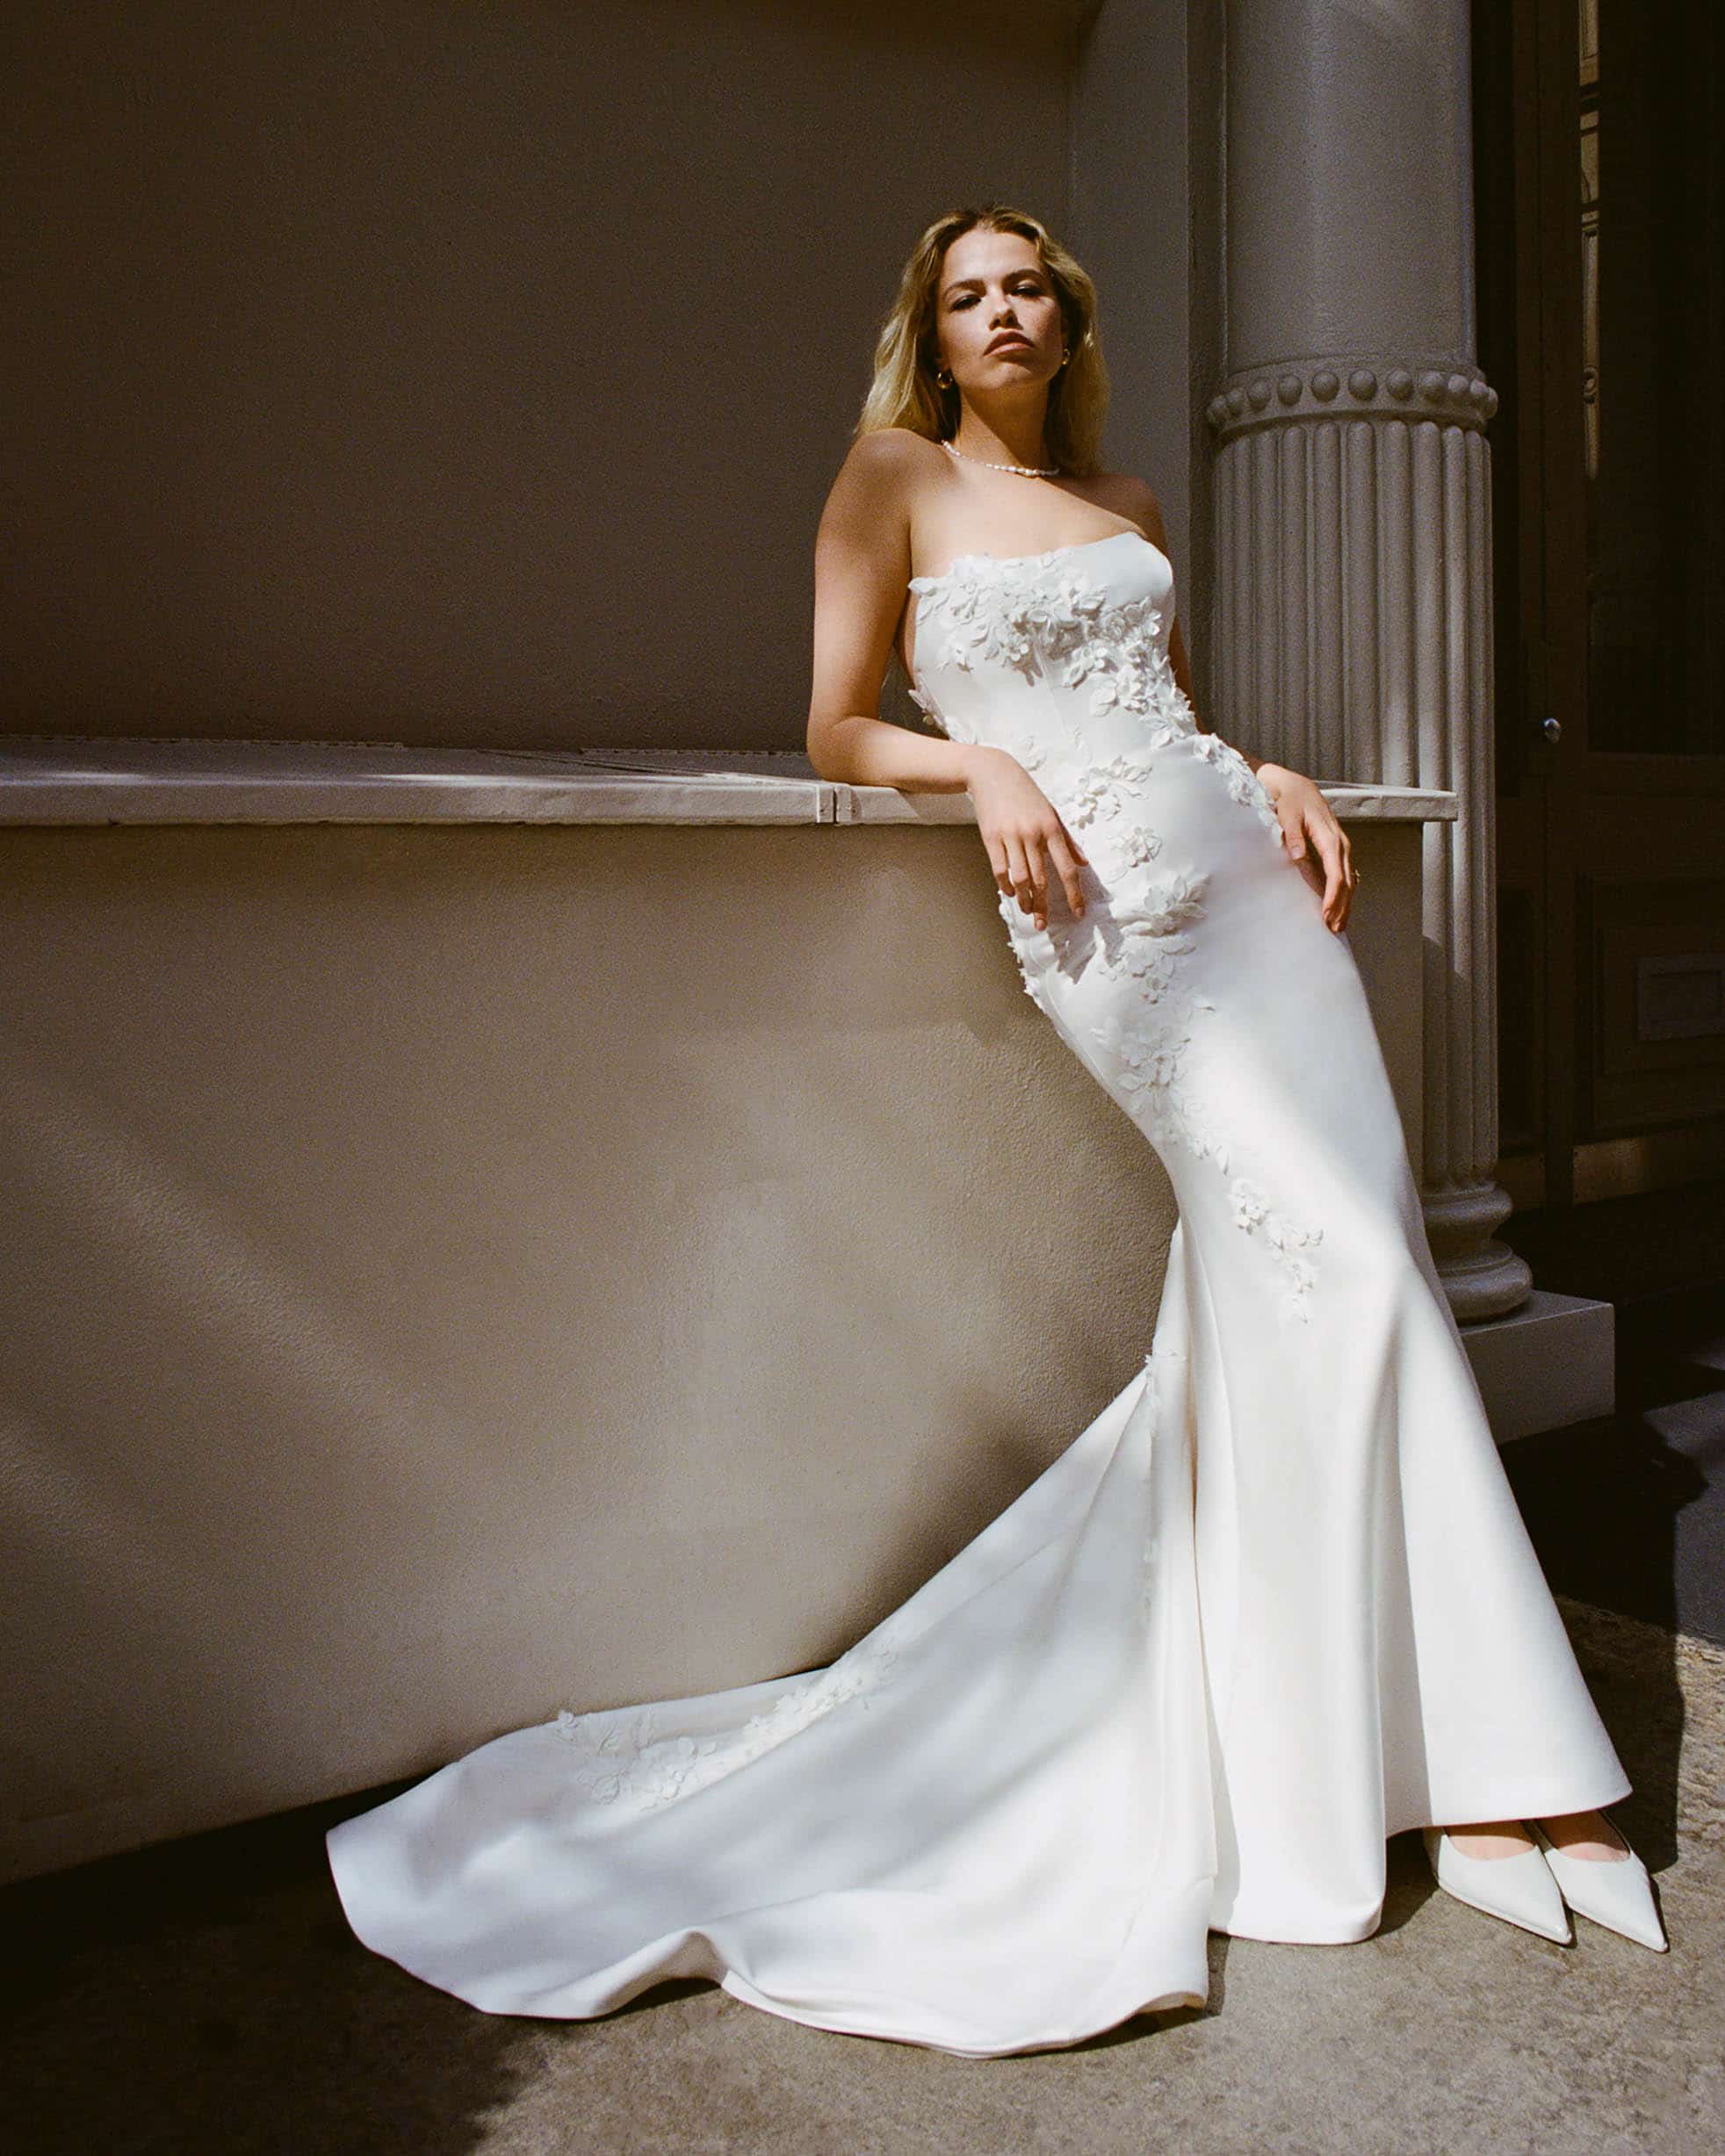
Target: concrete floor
208,1997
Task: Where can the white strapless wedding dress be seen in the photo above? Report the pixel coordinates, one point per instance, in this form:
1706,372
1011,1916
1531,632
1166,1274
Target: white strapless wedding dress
1273,1605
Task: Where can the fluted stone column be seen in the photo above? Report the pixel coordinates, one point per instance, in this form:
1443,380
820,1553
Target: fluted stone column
1352,634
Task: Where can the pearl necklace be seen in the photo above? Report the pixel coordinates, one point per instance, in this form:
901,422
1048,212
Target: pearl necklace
1024,471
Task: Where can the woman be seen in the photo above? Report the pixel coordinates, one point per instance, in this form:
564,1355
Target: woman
1275,1603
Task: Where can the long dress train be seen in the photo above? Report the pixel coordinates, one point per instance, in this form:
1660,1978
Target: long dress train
1273,1605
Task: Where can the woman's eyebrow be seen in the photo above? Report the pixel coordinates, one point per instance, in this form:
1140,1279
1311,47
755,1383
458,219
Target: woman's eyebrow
976,284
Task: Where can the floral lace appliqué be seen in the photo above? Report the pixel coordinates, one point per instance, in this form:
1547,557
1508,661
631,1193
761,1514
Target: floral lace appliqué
1241,781
926,708
1041,613
1145,935
1022,613
1040,617
638,1760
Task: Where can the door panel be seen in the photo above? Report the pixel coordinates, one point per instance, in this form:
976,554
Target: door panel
1600,160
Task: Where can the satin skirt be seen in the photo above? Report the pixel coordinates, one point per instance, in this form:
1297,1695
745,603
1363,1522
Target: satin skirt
1273,1605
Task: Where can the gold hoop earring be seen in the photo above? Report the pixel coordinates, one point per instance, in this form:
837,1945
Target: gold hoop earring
943,378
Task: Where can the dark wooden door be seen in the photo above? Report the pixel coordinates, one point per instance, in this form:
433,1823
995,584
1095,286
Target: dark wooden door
1600,197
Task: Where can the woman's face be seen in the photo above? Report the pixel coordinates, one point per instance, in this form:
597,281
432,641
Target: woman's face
997,319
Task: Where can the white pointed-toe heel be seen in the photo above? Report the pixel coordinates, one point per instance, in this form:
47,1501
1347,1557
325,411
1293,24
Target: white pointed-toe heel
1520,1889
1617,1895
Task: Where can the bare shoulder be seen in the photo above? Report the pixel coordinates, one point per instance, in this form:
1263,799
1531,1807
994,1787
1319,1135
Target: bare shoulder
895,449
891,460
1134,499
883,474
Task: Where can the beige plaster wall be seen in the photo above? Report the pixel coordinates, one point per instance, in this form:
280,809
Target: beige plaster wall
476,375
453,1273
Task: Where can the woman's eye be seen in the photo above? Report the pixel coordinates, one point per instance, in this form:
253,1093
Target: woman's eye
1020,292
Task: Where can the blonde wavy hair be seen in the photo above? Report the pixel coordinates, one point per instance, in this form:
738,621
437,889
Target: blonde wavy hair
905,393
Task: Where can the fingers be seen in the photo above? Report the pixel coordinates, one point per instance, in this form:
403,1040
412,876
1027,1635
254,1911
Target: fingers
1065,857
1023,872
1293,832
1054,853
1035,860
1028,852
1309,828
1006,858
1337,855
1030,862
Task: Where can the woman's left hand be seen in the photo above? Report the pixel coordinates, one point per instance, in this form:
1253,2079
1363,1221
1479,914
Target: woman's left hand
1308,826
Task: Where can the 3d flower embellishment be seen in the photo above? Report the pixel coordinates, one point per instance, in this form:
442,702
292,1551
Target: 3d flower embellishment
1045,621
1137,846
1148,1064
1169,903
932,712
633,1760
1250,1210
1287,1238
1025,613
630,1759
1031,754
1243,782
1101,789
1034,950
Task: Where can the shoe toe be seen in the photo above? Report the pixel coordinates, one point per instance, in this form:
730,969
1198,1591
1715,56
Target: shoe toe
1617,1895
1520,1889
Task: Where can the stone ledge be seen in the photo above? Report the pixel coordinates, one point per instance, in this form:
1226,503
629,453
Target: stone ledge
90,779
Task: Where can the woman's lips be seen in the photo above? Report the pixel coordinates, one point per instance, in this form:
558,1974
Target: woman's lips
1008,344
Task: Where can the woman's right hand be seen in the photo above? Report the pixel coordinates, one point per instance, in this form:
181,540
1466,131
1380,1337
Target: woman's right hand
1023,834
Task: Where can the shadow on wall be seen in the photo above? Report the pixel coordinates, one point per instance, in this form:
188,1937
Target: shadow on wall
472,376
458,1273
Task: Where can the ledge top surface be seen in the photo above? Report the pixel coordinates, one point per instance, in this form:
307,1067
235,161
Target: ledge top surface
115,779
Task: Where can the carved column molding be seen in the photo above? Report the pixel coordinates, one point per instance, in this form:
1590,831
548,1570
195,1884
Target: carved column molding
1354,641
1351,634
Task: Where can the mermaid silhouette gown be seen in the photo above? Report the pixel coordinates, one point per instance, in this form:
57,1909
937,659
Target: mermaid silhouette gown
1274,1603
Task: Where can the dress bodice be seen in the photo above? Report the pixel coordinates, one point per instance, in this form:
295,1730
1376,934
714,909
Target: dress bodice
1060,657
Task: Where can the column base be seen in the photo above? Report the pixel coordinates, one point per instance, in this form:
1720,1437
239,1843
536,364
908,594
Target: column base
1548,1364
1482,1277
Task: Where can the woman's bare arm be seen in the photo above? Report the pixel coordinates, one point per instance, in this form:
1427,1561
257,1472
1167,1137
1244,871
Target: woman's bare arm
861,566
